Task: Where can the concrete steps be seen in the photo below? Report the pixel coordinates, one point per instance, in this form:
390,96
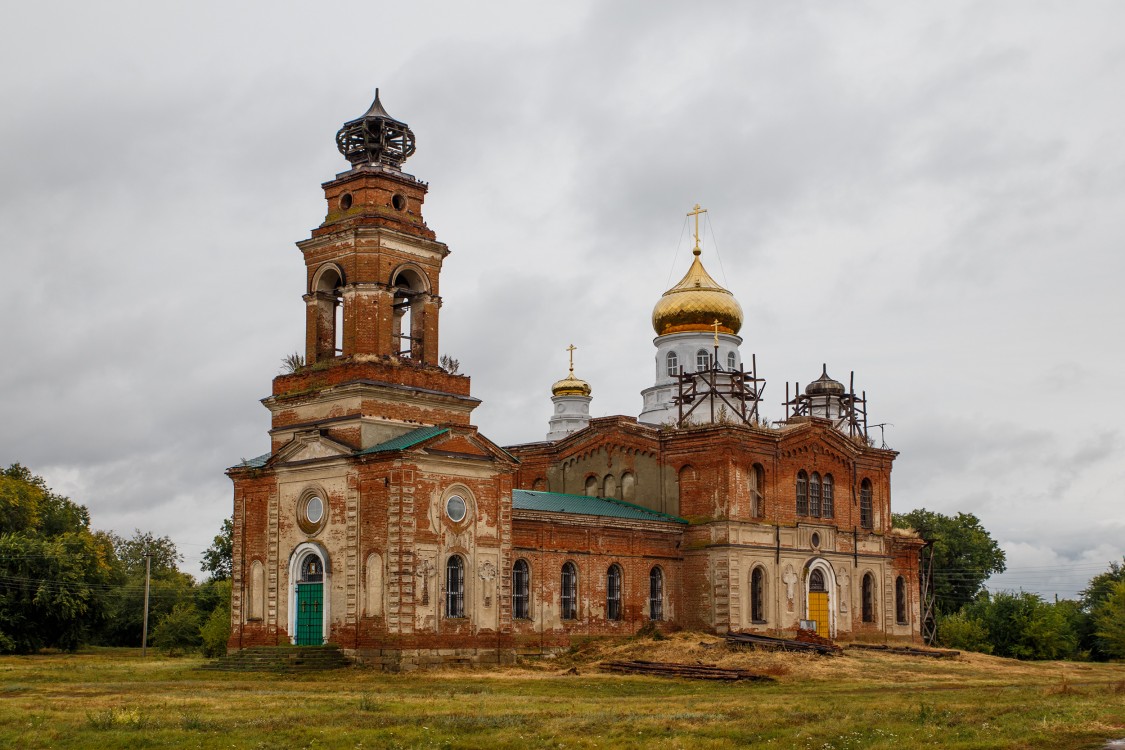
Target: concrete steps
281,659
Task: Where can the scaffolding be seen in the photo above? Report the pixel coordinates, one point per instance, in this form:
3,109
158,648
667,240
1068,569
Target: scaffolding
852,411
737,391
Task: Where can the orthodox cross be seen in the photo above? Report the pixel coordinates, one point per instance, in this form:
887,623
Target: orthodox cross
570,350
696,211
715,326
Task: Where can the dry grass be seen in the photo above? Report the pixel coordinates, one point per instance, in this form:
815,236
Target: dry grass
859,700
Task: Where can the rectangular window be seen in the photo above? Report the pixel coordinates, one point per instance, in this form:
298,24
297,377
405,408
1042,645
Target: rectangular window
802,495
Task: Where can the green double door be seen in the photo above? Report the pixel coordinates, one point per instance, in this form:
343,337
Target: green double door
310,614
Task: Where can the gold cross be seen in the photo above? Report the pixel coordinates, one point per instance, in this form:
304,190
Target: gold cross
570,349
696,211
715,325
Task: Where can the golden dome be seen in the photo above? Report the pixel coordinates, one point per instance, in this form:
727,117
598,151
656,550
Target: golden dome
570,386
695,304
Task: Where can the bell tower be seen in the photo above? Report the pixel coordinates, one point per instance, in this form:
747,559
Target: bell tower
373,264
372,303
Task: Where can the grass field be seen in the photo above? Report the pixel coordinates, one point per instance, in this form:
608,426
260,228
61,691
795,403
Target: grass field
114,698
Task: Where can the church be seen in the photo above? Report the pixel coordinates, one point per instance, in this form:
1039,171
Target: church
383,521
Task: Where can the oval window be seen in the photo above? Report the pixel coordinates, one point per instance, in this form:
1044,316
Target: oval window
815,539
314,510
455,508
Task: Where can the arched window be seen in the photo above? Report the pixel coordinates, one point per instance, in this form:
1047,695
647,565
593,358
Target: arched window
868,597
814,495
591,486
816,580
455,587
757,491
656,593
539,485
613,592
732,361
828,500
702,361
758,595
521,590
673,364
610,486
568,596
409,285
900,601
312,569
865,519
802,493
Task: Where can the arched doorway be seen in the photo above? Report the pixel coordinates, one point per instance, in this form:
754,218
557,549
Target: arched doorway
309,576
818,597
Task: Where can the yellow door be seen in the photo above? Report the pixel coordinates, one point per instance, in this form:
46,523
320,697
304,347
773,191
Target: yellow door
818,610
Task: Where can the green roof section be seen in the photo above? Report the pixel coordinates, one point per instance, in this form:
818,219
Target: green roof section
405,440
254,463
557,502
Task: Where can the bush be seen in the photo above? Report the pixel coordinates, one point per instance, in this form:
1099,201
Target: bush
1023,626
215,633
1109,619
179,631
963,632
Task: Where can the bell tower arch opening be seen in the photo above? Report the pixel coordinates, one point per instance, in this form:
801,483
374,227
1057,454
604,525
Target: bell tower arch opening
325,302
409,288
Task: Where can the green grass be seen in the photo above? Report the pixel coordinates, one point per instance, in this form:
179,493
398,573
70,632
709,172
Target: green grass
114,698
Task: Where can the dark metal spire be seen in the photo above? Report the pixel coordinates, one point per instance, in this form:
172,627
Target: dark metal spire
376,138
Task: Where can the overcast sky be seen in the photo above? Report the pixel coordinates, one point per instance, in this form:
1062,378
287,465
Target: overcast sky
929,194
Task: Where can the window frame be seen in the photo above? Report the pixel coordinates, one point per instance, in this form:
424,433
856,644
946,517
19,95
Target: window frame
568,592
455,587
802,493
656,594
814,495
702,357
521,590
614,583
828,497
732,362
868,595
900,601
758,595
866,496
672,362
758,491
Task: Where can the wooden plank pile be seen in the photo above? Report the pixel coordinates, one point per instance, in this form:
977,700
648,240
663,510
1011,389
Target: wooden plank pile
933,653
692,671
770,643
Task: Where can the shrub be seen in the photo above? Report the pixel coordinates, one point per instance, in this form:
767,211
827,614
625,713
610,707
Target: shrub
963,632
215,633
178,631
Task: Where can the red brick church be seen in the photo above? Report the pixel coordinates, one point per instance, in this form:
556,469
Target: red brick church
383,521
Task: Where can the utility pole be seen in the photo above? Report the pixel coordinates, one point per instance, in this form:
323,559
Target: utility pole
144,628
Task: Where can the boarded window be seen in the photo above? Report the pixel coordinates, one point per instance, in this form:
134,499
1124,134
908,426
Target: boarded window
757,491
521,590
257,591
628,487
613,593
455,587
373,586
610,486
656,594
900,600
591,486
568,599
802,493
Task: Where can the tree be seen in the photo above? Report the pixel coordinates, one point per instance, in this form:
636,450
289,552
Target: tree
219,557
1022,625
1109,622
168,588
965,555
54,572
178,631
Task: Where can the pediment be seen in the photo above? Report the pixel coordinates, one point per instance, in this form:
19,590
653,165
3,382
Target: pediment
468,445
309,446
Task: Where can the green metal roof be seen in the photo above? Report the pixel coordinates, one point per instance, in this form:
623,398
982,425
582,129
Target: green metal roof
404,440
556,502
254,463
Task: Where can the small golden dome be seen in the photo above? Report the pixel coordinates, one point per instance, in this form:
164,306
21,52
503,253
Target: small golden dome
695,304
570,386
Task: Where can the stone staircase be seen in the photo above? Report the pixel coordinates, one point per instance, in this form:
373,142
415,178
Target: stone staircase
281,659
